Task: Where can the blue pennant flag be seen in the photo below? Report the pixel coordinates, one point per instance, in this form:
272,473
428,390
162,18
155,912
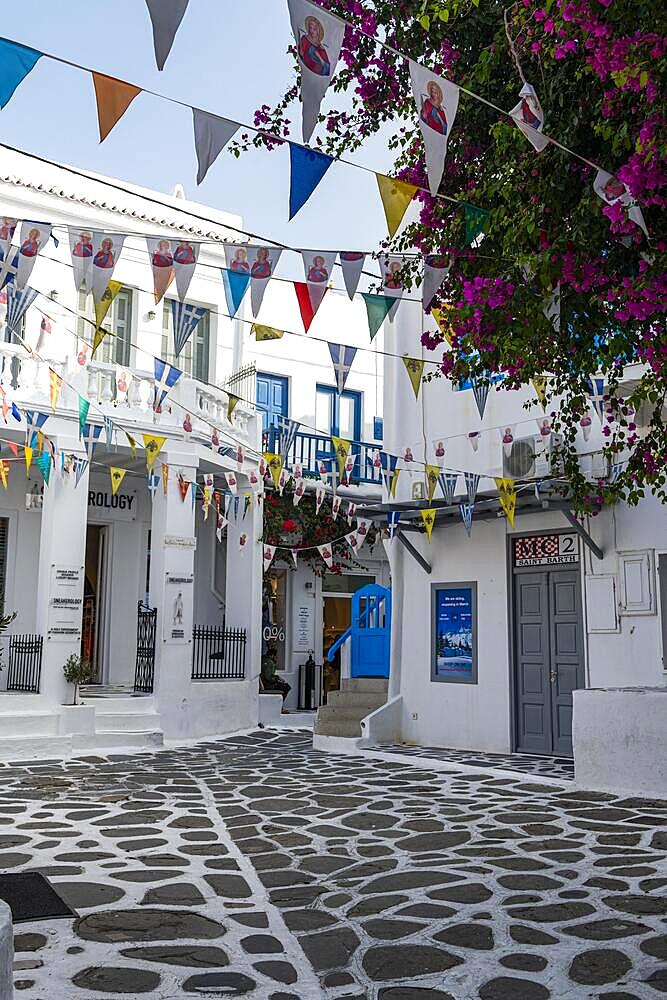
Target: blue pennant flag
166,377
153,482
481,393
16,61
466,516
393,517
16,413
307,168
18,303
90,437
236,284
186,318
8,267
389,471
448,481
288,431
342,358
472,482
35,421
108,430
596,394
80,466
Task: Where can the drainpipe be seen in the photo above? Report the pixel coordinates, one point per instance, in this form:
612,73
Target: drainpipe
396,556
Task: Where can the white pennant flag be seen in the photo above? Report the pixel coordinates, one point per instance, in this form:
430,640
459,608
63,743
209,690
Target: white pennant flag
81,250
166,16
317,266
352,264
529,117
220,526
186,255
106,251
231,483
436,269
318,37
437,101
335,507
262,262
353,541
161,256
7,228
611,190
319,497
327,554
33,238
211,136
299,488
293,553
269,553
392,282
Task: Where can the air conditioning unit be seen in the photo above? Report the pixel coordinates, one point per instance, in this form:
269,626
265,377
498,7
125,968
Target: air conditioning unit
531,457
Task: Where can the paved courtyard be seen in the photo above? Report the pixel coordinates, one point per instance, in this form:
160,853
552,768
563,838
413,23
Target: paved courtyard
256,867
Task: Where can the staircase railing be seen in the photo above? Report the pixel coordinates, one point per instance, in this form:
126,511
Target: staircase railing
340,642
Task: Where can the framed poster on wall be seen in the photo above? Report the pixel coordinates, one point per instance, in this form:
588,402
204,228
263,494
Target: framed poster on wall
454,632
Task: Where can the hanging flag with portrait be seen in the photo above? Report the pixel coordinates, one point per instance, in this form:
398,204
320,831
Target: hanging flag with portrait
106,251
318,37
612,190
391,267
529,117
81,252
32,239
436,269
161,256
317,267
437,101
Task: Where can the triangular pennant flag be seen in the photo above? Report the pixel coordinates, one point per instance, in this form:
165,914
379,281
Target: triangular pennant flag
221,524
237,501
43,463
274,464
166,16
415,369
436,269
113,99
4,472
185,318
352,540
153,446
206,505
390,472
186,255
293,554
377,309
472,482
262,262
152,481
466,510
269,553
341,451
305,300
475,220
14,448
480,391
80,466
437,101
166,377
211,136
335,506
9,267
27,455
117,477
232,403
428,517
442,318
235,284
299,490
16,61
352,264
393,518
396,196
539,384
342,358
132,443
81,251
448,481
161,257
327,554
507,493
317,268
18,303
266,332
90,435
432,474
165,477
610,189
391,268
473,439
107,295
529,117
109,429
319,497
288,431
318,37
596,395
307,168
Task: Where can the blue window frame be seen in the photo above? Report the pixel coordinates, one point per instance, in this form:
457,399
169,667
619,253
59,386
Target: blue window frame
272,398
340,415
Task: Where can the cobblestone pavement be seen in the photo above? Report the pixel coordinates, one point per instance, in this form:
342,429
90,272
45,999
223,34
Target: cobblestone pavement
256,867
560,768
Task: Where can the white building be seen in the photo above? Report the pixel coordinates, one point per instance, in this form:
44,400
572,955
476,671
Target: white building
84,569
492,633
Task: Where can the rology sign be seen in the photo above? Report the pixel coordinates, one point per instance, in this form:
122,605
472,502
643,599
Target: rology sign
104,506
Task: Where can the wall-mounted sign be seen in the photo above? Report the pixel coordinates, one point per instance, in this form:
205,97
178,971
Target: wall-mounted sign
180,542
104,507
546,550
177,607
273,633
454,632
65,603
303,629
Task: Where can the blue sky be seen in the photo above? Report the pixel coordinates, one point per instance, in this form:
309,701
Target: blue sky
228,58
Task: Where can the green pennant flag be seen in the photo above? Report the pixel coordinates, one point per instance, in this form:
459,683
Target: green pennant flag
43,463
475,222
84,406
377,307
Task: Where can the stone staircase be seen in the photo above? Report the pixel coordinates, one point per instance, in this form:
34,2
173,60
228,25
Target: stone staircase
357,698
123,719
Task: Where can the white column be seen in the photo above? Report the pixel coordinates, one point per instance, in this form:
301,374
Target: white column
396,556
60,578
172,582
243,599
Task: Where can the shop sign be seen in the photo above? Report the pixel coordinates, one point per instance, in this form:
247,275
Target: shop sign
454,633
546,550
65,603
304,637
180,542
273,633
177,610
103,506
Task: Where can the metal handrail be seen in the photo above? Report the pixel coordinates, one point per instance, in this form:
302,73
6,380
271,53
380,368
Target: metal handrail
340,642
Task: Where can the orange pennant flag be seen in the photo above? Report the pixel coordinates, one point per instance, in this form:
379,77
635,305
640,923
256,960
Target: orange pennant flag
55,381
113,99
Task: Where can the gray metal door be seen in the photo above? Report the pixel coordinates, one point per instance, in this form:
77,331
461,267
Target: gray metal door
549,661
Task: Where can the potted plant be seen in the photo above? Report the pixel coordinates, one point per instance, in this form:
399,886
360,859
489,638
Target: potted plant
78,671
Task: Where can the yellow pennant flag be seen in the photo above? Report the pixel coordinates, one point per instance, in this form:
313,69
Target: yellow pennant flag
132,443
113,99
40,442
539,384
275,464
55,381
4,472
432,475
396,196
507,494
428,517
265,332
153,446
444,324
342,450
117,477
27,454
165,477
232,402
101,309
415,369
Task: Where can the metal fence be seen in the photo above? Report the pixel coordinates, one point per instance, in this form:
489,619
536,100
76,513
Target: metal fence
243,383
218,653
145,663
25,663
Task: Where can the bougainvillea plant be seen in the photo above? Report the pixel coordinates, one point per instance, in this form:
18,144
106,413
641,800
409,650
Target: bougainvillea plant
598,67
303,529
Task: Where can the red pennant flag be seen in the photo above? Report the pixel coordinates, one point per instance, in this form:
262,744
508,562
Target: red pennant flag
305,304
184,487
14,448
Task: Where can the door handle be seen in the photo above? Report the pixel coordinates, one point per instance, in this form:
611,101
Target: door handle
553,676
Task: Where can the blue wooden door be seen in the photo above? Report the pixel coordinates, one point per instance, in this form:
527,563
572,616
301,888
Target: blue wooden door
370,632
272,399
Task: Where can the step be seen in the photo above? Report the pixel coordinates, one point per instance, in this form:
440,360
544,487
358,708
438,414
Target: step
366,701
26,723
342,712
131,722
347,728
119,705
365,684
119,740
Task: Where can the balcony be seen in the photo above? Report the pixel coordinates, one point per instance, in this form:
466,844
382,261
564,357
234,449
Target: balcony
310,449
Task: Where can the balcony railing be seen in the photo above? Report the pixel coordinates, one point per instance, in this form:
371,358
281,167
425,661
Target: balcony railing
311,449
243,383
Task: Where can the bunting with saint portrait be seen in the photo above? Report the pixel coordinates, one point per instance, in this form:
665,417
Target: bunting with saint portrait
437,102
319,37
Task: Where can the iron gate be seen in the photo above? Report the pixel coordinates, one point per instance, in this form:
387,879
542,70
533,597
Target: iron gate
25,663
145,665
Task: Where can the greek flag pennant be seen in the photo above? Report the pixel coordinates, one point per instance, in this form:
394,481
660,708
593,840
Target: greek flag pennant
390,472
166,377
90,437
35,421
480,391
9,265
472,482
186,318
596,395
466,510
152,482
342,358
288,431
109,431
448,481
18,303
393,517
80,466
